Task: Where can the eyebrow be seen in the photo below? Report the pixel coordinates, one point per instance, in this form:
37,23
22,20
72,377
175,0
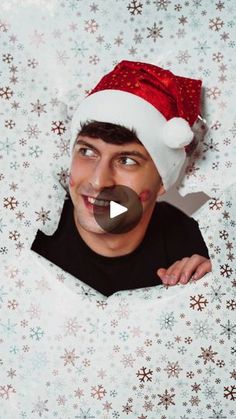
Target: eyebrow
121,153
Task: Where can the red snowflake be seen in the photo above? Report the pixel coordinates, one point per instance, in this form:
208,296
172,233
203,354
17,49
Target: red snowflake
144,374
231,304
5,391
43,215
223,234
63,176
199,302
225,270
12,304
218,57
6,92
94,59
58,127
135,7
14,235
230,392
207,355
32,63
127,408
216,24
10,203
196,387
213,92
101,304
191,170
7,58
155,32
215,204
91,26
4,27
98,392
194,401
166,399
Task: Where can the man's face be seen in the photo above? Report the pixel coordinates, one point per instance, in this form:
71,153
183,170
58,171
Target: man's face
97,165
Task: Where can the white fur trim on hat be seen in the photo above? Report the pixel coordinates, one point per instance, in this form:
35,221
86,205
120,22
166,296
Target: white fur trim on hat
131,111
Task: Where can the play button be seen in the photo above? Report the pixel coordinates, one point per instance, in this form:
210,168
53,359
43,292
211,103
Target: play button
117,209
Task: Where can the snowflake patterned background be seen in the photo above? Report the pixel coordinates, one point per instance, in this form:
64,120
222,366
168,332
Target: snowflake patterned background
66,351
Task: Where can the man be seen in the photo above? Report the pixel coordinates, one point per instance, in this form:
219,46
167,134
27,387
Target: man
129,133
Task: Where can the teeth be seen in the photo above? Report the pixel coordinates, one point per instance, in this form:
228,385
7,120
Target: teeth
99,202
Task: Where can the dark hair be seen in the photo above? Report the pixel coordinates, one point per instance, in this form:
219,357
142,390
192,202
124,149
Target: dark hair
110,133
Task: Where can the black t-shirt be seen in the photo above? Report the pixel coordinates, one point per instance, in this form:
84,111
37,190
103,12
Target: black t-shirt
170,236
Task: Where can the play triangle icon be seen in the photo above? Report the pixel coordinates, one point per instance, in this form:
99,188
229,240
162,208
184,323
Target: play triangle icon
116,209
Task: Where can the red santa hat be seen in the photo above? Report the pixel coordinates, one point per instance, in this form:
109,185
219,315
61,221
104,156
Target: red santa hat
159,105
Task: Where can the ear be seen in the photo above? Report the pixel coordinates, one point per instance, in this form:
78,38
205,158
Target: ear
161,190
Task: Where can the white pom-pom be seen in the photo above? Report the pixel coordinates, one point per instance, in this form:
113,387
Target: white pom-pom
177,133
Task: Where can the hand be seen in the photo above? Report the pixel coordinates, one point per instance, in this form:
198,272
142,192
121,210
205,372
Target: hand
194,267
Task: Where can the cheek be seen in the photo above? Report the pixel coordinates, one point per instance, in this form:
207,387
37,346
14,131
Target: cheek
75,173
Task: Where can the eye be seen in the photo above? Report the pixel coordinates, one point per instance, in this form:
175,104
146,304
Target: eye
127,161
87,152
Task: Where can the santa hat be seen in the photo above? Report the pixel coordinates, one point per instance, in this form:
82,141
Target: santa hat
159,105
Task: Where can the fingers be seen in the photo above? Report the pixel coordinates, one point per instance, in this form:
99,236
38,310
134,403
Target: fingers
181,271
202,269
161,272
176,272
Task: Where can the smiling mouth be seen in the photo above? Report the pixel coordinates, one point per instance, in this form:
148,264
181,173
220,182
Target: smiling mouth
98,202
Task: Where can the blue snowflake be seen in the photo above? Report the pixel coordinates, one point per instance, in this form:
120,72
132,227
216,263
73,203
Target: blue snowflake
216,294
123,336
2,294
202,48
85,414
39,360
202,329
8,328
86,292
7,146
73,4
35,151
14,165
79,49
2,225
228,329
167,321
98,328
217,415
210,392
36,333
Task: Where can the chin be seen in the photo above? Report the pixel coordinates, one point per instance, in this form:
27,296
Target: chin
89,224
95,229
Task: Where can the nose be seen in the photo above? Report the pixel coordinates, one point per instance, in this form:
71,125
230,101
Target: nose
102,177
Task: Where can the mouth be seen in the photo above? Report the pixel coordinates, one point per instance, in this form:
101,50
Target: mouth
100,205
98,202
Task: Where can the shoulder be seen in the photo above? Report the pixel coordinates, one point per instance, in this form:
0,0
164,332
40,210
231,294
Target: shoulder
175,222
171,213
182,234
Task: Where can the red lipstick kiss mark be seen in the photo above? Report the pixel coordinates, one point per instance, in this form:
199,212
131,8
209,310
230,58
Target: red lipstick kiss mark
145,195
71,181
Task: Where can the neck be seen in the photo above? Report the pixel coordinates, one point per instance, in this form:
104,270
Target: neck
112,245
